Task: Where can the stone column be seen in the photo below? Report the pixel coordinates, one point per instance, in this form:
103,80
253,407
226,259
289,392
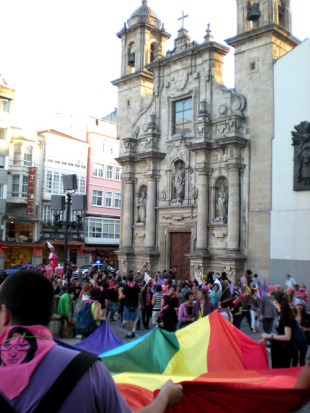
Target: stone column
202,211
128,213
150,214
233,208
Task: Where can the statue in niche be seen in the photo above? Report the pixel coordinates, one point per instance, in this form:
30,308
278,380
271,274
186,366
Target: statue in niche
178,183
221,204
301,143
141,207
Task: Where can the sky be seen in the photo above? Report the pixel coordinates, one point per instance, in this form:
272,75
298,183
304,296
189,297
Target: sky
60,56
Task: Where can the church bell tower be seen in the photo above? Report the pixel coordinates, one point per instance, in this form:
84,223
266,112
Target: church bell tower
263,36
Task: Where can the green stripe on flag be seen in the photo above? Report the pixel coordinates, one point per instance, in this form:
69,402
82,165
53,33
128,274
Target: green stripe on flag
152,354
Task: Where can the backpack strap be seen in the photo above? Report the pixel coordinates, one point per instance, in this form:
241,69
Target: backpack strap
61,388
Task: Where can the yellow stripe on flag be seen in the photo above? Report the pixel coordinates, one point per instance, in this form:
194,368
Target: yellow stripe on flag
191,359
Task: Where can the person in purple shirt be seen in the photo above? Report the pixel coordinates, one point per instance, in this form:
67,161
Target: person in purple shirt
30,361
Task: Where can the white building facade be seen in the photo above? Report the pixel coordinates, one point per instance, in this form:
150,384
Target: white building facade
290,215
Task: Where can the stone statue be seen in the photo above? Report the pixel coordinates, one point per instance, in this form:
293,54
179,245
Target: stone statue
303,159
141,207
221,206
301,143
179,183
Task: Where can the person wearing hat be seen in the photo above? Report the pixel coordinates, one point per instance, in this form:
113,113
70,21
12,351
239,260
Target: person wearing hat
267,310
303,318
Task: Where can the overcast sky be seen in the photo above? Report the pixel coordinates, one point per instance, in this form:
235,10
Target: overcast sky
61,55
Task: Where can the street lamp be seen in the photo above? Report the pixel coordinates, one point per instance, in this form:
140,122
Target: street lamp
58,204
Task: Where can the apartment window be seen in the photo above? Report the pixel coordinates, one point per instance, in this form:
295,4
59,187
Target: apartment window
108,229
47,213
2,161
103,228
28,155
15,186
118,174
95,228
109,172
97,197
1,190
17,153
108,199
25,187
183,116
4,105
81,181
98,170
117,200
49,180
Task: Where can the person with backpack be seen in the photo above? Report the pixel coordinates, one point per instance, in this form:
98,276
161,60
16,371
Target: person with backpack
282,336
45,375
90,316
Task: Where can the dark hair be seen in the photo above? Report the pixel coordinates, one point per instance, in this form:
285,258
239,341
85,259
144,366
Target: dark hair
188,294
285,307
70,289
29,296
159,288
204,292
95,293
130,277
296,286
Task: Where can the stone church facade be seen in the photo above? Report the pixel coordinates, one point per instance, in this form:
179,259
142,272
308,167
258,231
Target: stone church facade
196,156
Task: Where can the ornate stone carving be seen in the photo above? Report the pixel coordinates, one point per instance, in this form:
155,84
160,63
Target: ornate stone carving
163,195
193,192
130,144
301,143
178,183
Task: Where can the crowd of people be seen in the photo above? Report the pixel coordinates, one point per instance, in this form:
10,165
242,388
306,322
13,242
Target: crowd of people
140,301
166,301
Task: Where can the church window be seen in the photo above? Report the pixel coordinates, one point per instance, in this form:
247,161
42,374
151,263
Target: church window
182,116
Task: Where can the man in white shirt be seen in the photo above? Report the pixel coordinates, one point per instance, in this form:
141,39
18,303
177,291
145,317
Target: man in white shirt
289,281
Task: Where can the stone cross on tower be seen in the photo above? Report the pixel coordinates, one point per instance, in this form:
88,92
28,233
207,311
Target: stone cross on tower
182,18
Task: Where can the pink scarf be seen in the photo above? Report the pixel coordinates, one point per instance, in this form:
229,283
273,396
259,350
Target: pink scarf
21,351
130,283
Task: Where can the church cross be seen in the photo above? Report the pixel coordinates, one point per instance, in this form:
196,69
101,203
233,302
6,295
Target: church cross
182,18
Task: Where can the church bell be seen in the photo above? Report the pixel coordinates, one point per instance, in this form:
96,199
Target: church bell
254,13
131,59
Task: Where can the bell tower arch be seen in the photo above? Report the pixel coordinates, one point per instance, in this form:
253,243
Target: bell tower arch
252,14
145,31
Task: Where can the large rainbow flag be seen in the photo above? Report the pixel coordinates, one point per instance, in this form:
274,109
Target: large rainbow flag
220,368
